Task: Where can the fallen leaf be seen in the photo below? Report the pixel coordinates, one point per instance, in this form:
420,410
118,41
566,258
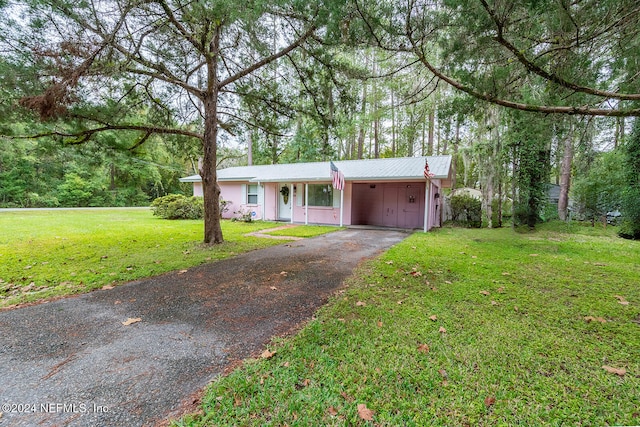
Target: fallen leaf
423,348
506,274
306,382
533,254
27,267
267,354
361,304
237,401
332,411
399,302
416,273
485,292
107,287
379,324
182,271
364,412
283,273
442,330
285,364
447,282
590,319
104,257
473,256
618,371
501,289
489,400
434,289
434,317
346,397
443,373
515,308
621,300
494,303
389,262
131,321
273,288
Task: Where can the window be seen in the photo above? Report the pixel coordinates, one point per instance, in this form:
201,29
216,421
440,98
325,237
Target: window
320,195
252,194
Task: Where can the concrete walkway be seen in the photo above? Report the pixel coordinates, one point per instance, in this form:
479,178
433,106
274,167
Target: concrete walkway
142,352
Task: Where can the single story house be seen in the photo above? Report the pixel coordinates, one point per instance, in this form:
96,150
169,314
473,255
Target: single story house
391,192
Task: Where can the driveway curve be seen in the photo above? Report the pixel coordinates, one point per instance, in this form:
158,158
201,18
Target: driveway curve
72,362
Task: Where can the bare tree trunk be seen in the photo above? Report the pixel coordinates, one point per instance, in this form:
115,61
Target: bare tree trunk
211,190
432,123
454,160
250,149
393,126
363,110
565,174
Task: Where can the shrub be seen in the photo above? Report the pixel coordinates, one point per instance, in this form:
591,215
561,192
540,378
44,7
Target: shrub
466,211
630,228
178,206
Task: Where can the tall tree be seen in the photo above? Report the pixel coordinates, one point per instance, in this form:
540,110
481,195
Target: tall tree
490,49
180,59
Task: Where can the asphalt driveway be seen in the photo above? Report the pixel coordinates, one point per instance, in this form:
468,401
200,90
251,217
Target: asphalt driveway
72,362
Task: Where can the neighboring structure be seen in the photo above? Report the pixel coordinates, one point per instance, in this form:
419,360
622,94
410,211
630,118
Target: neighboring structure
383,192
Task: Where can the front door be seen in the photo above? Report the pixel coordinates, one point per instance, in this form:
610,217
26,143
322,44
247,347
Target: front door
285,202
390,207
411,206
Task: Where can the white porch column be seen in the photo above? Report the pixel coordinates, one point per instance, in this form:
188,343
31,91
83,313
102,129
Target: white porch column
341,205
291,200
426,205
306,203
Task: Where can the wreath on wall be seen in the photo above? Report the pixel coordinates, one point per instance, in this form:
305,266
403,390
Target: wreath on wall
285,194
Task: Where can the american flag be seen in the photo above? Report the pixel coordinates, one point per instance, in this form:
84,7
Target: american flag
337,177
427,173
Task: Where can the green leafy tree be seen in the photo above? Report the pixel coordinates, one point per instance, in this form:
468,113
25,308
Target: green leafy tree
176,62
601,189
631,197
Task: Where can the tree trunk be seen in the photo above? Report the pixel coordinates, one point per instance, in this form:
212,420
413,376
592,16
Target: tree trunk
393,126
454,159
211,190
565,175
432,122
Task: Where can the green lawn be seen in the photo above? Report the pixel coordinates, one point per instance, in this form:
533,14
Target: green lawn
459,327
50,253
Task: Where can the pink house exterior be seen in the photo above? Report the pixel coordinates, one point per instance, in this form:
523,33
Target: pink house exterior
380,192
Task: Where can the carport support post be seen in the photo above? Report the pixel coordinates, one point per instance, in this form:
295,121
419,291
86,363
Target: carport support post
291,198
306,204
426,205
341,205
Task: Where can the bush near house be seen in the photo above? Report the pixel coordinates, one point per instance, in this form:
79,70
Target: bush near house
178,206
466,211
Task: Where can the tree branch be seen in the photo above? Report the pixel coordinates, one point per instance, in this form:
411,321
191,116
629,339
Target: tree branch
552,77
86,135
268,59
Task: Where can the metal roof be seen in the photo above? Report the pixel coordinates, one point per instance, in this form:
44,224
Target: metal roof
393,169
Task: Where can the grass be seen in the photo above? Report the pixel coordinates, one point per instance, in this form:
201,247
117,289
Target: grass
44,254
304,231
459,327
